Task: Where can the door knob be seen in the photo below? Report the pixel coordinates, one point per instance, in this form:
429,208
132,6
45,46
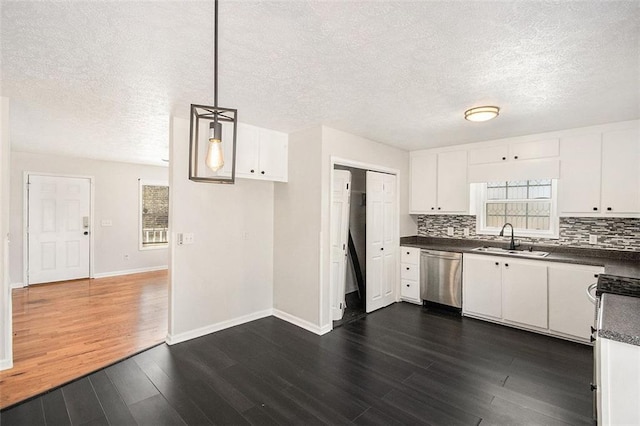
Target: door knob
86,232
381,248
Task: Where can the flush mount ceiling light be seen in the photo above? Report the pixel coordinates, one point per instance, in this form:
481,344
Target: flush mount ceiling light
212,140
482,113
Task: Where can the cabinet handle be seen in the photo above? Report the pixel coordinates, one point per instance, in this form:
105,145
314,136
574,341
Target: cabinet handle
438,208
506,265
432,208
595,275
592,339
609,208
408,285
515,157
252,170
408,253
593,330
504,158
497,263
407,268
593,387
381,248
262,172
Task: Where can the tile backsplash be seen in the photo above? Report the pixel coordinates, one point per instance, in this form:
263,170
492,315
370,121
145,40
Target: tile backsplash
613,233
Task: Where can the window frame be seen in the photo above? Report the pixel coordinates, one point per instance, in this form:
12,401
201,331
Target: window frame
141,246
554,220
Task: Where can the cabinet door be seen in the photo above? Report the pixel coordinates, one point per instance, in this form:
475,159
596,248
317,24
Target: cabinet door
579,184
492,154
621,171
533,150
482,288
410,290
524,293
570,311
273,155
423,183
452,188
247,150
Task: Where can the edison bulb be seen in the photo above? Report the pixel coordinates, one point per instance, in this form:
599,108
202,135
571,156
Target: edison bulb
215,159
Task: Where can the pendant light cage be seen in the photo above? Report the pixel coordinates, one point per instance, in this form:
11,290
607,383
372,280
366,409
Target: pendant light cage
201,117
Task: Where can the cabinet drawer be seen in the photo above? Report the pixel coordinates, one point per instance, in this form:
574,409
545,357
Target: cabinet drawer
410,290
410,255
409,271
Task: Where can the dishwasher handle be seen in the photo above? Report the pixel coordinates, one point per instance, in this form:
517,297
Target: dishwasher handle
442,255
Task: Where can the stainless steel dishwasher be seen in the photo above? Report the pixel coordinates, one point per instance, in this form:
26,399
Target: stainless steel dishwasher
441,277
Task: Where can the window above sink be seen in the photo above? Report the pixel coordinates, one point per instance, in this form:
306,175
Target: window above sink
530,205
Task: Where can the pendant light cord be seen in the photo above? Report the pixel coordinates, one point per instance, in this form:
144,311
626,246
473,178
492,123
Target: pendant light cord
215,54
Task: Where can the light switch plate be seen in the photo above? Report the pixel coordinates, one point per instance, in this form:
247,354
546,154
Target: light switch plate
450,231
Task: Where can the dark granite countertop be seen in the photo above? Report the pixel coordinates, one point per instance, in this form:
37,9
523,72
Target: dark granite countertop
615,262
620,318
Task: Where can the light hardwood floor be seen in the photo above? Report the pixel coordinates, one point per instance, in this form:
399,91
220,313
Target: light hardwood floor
62,331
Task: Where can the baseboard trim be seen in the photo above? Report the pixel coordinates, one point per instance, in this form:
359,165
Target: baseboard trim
17,285
130,271
6,364
302,323
212,328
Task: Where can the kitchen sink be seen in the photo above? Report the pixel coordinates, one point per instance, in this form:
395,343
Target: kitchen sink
519,253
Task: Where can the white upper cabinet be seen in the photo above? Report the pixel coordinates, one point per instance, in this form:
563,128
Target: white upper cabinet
453,189
621,171
515,151
600,173
261,153
579,187
439,182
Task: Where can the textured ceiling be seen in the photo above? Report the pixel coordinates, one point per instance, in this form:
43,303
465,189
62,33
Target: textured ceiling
101,78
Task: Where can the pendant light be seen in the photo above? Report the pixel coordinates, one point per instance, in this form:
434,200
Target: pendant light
212,153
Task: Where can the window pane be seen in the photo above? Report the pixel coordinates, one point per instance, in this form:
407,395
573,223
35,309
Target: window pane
497,193
155,215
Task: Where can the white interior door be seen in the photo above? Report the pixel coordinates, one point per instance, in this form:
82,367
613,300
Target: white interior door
58,228
339,235
382,241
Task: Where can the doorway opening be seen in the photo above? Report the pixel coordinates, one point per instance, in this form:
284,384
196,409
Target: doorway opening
364,242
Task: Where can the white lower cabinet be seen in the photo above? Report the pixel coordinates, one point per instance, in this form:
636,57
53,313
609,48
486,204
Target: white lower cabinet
482,286
410,274
570,311
547,297
618,383
524,293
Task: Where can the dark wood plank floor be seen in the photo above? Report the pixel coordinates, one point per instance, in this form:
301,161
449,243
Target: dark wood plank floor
399,365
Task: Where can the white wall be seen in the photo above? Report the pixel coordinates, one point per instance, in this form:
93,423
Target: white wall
115,198
336,143
302,246
297,233
5,287
226,277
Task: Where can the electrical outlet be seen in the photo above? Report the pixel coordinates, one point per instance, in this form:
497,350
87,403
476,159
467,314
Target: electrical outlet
593,239
188,238
466,232
450,231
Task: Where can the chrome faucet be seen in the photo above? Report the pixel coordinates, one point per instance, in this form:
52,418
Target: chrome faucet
512,245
